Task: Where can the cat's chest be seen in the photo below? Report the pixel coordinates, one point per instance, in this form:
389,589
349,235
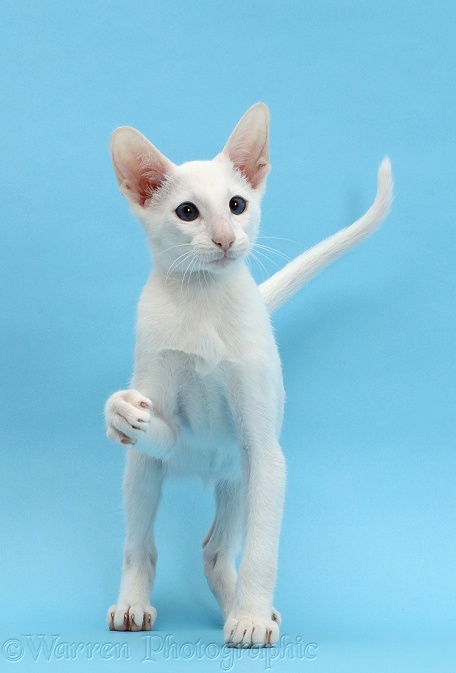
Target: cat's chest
212,343
214,332
201,345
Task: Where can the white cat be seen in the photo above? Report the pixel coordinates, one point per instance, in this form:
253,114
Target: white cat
207,394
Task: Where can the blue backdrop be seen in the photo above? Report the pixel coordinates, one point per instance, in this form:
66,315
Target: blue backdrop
367,569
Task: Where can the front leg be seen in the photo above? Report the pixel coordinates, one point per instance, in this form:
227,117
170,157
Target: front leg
132,418
142,490
252,621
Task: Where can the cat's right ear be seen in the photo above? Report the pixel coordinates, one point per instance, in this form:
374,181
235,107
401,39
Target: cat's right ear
140,168
248,145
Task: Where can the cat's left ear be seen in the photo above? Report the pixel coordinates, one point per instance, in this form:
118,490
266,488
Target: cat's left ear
248,145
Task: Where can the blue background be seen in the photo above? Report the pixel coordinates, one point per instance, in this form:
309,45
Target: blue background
367,563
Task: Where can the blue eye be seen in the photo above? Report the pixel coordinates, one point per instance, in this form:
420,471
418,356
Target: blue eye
187,211
237,205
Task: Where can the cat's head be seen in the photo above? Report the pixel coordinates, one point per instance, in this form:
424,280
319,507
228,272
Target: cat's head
201,215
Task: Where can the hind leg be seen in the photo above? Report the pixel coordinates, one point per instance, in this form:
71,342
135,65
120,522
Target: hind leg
222,543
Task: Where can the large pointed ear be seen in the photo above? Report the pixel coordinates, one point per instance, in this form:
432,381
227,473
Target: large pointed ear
140,168
248,145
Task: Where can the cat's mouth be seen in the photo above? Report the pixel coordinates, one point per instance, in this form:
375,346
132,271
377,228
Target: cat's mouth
222,261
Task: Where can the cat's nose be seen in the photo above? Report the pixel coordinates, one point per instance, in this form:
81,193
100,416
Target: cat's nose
224,241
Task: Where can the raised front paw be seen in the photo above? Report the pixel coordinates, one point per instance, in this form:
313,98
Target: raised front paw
250,630
128,415
125,617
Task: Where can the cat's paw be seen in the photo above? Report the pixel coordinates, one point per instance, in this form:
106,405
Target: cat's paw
252,631
128,415
136,617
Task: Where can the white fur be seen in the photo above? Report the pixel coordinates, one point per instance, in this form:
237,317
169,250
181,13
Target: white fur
207,395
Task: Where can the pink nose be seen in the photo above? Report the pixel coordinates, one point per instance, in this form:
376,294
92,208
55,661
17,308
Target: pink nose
224,241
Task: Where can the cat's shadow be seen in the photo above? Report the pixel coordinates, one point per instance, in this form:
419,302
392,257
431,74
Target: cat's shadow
181,594
177,612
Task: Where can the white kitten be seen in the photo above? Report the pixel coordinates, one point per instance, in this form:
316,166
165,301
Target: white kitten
207,394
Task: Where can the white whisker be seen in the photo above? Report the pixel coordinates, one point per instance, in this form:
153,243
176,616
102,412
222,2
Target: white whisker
177,263
188,270
191,271
276,238
260,263
179,245
205,277
276,252
199,274
258,252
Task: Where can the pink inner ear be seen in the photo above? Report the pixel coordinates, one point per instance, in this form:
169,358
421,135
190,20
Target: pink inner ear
252,162
248,151
140,179
148,182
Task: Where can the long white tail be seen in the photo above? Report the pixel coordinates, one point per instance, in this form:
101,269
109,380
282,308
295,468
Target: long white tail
283,284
